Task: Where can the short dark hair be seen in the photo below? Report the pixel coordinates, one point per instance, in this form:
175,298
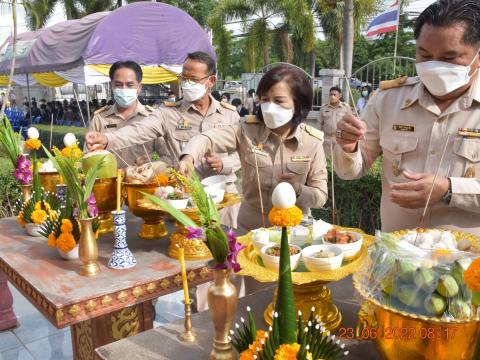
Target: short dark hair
251,92
300,87
129,64
445,13
216,95
171,93
236,102
336,88
204,58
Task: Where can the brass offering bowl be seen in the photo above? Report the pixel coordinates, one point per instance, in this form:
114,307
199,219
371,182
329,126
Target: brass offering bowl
195,249
153,219
400,335
49,181
105,192
309,288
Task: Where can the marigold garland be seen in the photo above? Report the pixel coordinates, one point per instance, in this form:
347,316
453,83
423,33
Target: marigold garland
472,275
285,217
67,226
39,216
52,242
33,144
66,242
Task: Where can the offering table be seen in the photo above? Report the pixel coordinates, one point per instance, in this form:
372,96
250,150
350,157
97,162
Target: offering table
110,306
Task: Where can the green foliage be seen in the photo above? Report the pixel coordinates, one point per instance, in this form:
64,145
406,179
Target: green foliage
357,201
58,133
10,193
10,141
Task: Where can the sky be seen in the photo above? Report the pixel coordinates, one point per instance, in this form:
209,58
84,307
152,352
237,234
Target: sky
59,15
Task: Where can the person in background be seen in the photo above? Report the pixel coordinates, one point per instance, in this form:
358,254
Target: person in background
225,98
216,95
2,98
330,115
103,103
242,111
171,99
13,100
249,102
365,95
279,146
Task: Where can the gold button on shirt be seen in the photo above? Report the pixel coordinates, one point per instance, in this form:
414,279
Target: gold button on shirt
328,119
301,154
407,127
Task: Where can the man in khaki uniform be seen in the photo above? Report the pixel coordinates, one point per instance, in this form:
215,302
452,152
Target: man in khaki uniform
197,112
413,121
126,77
330,115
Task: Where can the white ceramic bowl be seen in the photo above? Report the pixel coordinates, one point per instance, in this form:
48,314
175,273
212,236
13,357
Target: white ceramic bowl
179,204
260,238
216,194
70,255
351,249
315,264
32,229
217,182
273,262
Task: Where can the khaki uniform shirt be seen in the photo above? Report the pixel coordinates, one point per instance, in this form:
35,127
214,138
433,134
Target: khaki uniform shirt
329,117
108,120
407,127
301,154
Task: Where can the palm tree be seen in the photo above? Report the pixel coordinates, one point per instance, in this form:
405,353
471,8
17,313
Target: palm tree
257,17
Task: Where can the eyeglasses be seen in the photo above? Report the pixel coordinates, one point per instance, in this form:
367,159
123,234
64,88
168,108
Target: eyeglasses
192,81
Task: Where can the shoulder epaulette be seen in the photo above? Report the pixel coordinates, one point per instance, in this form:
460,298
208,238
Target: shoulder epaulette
251,119
172,104
314,132
390,84
106,107
149,108
228,106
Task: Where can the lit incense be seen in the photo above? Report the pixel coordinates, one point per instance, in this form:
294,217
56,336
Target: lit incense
119,188
181,258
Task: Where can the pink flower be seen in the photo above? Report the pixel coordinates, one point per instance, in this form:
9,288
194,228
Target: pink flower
23,173
234,248
92,206
194,233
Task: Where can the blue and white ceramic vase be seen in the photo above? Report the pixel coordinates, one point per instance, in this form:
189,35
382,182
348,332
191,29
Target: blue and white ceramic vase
62,194
122,257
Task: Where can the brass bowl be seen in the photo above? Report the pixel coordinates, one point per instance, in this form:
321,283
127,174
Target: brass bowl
105,192
400,335
49,181
153,224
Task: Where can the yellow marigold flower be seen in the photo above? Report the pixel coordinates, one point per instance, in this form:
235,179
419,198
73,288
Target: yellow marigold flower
285,217
261,335
67,226
38,205
20,219
162,179
247,355
52,242
33,144
472,275
53,215
287,352
66,242
39,216
73,152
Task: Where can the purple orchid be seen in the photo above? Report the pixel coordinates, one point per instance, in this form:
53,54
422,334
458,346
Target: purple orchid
194,233
234,248
23,173
92,206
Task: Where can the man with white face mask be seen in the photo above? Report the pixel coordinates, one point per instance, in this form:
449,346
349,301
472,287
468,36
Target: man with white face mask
410,121
126,78
197,112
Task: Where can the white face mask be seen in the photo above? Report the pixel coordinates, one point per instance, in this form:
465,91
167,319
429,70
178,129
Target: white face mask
441,78
192,91
125,97
275,115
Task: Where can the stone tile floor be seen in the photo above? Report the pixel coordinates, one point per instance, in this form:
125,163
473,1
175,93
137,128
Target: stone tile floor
36,339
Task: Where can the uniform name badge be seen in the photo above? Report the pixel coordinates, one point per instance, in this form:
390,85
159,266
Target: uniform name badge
220,125
184,125
110,126
405,128
300,158
259,151
469,132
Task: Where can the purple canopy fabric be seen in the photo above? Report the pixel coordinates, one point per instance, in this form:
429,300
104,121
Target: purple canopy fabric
146,32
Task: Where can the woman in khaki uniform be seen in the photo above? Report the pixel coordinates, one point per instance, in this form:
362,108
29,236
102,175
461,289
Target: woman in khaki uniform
276,144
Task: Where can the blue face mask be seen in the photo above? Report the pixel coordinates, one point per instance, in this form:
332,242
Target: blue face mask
171,99
125,97
364,93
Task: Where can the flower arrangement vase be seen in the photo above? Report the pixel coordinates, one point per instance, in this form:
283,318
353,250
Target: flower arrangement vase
122,257
26,192
69,255
33,229
88,250
222,302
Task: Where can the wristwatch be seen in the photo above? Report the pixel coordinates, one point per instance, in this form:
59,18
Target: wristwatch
447,197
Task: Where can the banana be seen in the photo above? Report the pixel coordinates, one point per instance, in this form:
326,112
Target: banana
459,268
435,304
447,286
459,309
409,295
425,279
405,270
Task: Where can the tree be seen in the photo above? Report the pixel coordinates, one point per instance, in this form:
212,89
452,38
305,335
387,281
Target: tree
14,51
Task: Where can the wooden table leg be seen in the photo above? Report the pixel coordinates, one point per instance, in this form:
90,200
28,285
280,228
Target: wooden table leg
8,319
90,334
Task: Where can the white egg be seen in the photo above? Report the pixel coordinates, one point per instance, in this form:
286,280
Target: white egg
283,196
33,133
69,139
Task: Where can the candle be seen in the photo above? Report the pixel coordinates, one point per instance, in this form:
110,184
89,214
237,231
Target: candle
61,180
181,258
119,189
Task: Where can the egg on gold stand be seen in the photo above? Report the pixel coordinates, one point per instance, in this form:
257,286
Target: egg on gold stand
105,192
49,181
153,218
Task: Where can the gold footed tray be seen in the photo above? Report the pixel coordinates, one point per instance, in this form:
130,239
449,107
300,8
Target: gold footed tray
153,226
195,249
105,191
309,287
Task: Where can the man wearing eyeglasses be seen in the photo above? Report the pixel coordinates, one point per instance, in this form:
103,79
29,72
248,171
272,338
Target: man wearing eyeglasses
198,112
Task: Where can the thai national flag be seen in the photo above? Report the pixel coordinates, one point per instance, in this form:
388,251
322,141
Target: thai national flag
385,22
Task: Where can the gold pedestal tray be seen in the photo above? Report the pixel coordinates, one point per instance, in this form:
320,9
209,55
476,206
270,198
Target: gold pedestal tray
105,191
400,335
49,181
309,287
154,225
195,249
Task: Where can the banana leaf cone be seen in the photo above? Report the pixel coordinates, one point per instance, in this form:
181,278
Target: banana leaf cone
285,303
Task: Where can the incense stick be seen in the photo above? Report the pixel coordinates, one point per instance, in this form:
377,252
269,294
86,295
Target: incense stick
79,109
259,189
150,161
170,149
51,131
119,157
